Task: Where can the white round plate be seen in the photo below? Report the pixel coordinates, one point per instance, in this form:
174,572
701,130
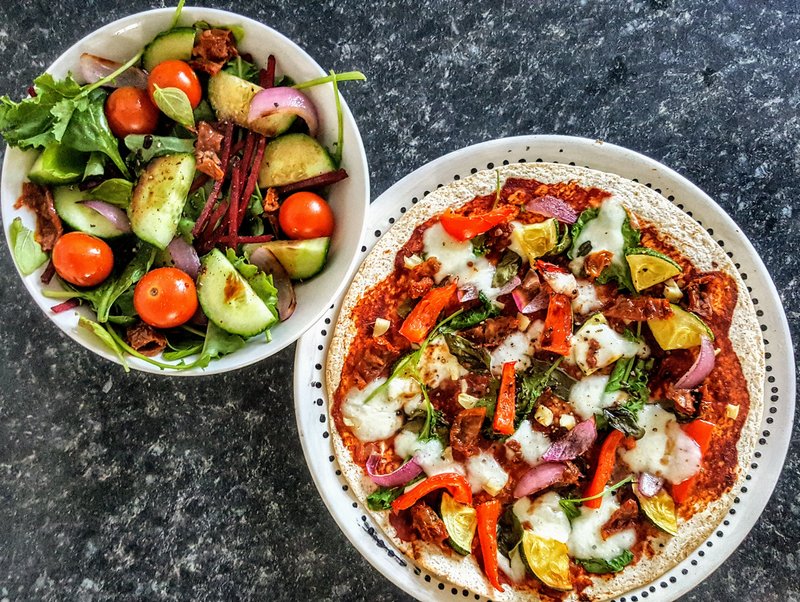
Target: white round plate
349,199
776,427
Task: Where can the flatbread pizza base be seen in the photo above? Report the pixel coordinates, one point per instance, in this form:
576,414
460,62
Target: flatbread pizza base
676,228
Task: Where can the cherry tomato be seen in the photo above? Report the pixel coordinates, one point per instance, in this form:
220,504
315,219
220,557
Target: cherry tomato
130,111
175,74
82,259
165,297
305,215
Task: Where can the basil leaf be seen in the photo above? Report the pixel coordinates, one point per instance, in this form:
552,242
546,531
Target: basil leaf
174,103
599,565
101,333
88,129
27,252
116,191
476,359
506,269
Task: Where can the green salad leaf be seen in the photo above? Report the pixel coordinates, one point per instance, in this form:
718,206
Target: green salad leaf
382,497
27,252
104,335
145,147
95,165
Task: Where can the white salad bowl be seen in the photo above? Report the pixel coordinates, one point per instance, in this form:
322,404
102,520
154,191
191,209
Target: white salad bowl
349,198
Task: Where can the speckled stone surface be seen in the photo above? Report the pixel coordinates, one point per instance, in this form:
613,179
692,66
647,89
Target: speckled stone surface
134,487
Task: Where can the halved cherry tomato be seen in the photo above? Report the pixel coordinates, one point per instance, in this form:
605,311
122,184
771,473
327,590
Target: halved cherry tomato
305,215
130,111
175,74
82,259
165,298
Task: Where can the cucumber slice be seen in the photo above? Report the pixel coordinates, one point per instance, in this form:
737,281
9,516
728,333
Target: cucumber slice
67,201
292,158
230,98
175,44
159,196
228,300
58,165
300,258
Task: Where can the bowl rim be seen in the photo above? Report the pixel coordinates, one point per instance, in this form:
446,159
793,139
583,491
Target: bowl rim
33,286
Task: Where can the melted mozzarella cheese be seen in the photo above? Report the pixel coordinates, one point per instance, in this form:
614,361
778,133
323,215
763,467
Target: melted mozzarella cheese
532,443
597,340
586,301
603,233
585,540
588,397
561,283
377,419
543,516
516,347
429,454
665,450
437,364
514,242
514,566
408,392
456,259
484,472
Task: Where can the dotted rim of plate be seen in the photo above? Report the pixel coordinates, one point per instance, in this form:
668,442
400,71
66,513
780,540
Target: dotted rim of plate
772,395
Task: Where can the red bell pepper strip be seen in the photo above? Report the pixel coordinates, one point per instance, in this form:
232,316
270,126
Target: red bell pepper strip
700,431
506,407
557,325
605,466
423,317
455,483
466,227
487,515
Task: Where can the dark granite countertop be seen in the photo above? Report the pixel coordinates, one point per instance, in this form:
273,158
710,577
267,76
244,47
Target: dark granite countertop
135,487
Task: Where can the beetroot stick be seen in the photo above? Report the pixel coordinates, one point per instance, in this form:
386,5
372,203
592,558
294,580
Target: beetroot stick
251,181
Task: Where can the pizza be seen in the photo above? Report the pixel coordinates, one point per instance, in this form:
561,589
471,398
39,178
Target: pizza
545,382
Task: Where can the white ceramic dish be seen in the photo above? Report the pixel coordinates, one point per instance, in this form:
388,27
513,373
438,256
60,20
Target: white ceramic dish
779,391
349,199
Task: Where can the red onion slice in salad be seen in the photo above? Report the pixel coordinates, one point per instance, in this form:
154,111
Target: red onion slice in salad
184,256
649,484
266,261
574,444
94,68
526,304
701,368
284,100
550,206
112,213
509,286
467,293
539,477
398,477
